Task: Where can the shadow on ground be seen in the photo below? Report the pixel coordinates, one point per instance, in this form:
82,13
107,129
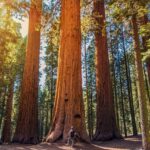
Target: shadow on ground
131,143
48,146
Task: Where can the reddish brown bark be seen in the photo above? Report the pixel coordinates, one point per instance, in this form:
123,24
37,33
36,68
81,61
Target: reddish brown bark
68,108
106,128
6,133
141,86
27,123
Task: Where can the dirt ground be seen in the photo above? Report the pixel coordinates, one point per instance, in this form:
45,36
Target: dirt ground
131,143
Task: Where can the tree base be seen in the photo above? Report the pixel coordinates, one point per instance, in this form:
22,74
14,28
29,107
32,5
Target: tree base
24,140
148,147
106,136
51,138
57,136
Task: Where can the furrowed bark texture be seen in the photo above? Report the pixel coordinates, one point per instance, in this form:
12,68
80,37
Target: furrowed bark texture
141,86
69,108
27,123
106,128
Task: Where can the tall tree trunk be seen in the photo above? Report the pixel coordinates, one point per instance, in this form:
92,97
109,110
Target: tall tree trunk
134,128
27,123
91,110
115,86
41,122
52,86
115,92
47,117
6,133
69,108
147,85
87,92
116,97
122,101
141,87
106,128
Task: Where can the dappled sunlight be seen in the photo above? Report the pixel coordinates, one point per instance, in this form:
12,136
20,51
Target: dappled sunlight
75,71
124,144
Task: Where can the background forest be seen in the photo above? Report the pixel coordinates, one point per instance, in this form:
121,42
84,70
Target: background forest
122,84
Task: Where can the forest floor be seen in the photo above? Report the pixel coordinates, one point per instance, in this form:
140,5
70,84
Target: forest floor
130,143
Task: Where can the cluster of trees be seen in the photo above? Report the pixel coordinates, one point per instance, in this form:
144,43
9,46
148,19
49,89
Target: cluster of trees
98,81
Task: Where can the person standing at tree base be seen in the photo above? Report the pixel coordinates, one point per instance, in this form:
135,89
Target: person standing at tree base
72,137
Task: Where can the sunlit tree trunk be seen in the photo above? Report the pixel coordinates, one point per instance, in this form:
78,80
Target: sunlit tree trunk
145,39
87,90
141,87
106,128
6,133
147,85
68,108
27,123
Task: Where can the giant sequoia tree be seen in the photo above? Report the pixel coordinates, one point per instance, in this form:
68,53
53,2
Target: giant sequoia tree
141,86
68,108
27,123
106,128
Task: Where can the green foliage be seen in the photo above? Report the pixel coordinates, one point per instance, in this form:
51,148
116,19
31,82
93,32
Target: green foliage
121,9
12,53
145,33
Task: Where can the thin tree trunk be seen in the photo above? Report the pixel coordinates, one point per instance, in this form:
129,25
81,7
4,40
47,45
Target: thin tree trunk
6,133
91,109
3,106
91,115
136,100
41,123
115,88
27,123
69,108
147,85
115,96
141,87
116,99
134,128
52,88
106,127
122,103
87,93
46,117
